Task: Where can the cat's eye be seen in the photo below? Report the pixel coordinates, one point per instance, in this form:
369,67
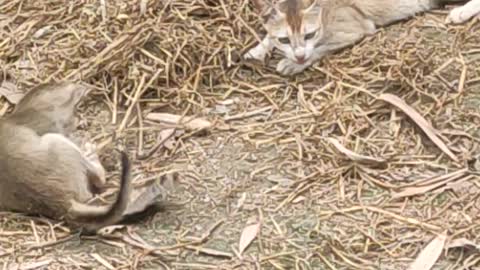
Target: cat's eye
310,35
284,40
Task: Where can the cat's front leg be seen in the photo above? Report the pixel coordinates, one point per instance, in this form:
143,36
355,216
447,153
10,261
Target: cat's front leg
464,13
289,67
260,51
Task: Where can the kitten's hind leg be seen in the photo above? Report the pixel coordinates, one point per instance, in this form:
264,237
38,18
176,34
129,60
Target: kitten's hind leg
464,13
260,51
88,159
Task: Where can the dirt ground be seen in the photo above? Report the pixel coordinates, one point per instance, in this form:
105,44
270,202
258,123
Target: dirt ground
268,160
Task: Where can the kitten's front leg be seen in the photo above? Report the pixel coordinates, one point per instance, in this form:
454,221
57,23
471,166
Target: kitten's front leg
464,13
260,51
289,67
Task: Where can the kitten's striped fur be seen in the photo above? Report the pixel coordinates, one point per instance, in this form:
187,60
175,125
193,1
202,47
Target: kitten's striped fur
306,30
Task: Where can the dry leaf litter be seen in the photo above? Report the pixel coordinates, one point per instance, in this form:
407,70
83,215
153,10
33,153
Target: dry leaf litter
361,162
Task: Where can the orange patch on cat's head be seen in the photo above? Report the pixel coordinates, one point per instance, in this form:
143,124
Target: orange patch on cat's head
294,13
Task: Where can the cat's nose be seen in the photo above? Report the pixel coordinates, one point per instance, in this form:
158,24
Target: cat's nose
300,58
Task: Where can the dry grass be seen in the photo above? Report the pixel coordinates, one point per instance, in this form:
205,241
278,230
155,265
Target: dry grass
268,157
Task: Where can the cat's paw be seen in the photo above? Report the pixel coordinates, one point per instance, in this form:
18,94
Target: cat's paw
288,67
90,153
258,53
459,15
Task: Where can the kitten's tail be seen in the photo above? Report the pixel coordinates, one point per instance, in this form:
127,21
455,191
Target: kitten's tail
92,218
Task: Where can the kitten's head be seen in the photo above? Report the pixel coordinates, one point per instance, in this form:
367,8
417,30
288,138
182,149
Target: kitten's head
50,107
294,26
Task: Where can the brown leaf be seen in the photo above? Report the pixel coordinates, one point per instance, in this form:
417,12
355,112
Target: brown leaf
462,242
105,231
10,92
476,165
102,261
42,31
241,201
167,136
210,252
145,198
189,123
30,265
430,254
429,130
354,156
423,186
248,235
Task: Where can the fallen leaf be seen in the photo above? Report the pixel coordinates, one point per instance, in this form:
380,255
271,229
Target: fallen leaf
430,254
143,7
166,135
10,92
165,139
429,130
30,265
228,101
102,261
354,156
211,252
476,165
261,111
168,182
280,180
189,123
248,235
299,199
105,231
149,196
221,109
462,242
122,16
42,31
423,186
241,201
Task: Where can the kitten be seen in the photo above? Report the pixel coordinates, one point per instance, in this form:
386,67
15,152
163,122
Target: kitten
42,172
306,30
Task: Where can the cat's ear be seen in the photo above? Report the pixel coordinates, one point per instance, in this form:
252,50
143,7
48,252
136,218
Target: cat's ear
262,5
266,9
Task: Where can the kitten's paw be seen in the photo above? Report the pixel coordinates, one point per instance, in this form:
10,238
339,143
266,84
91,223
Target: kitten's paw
258,53
90,152
459,15
288,67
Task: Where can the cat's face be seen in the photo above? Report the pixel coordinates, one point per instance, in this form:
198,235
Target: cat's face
50,108
294,26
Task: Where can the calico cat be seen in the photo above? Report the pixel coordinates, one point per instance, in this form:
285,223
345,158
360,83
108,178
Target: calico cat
306,30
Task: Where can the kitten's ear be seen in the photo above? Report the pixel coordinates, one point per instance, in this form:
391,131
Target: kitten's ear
262,5
266,9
